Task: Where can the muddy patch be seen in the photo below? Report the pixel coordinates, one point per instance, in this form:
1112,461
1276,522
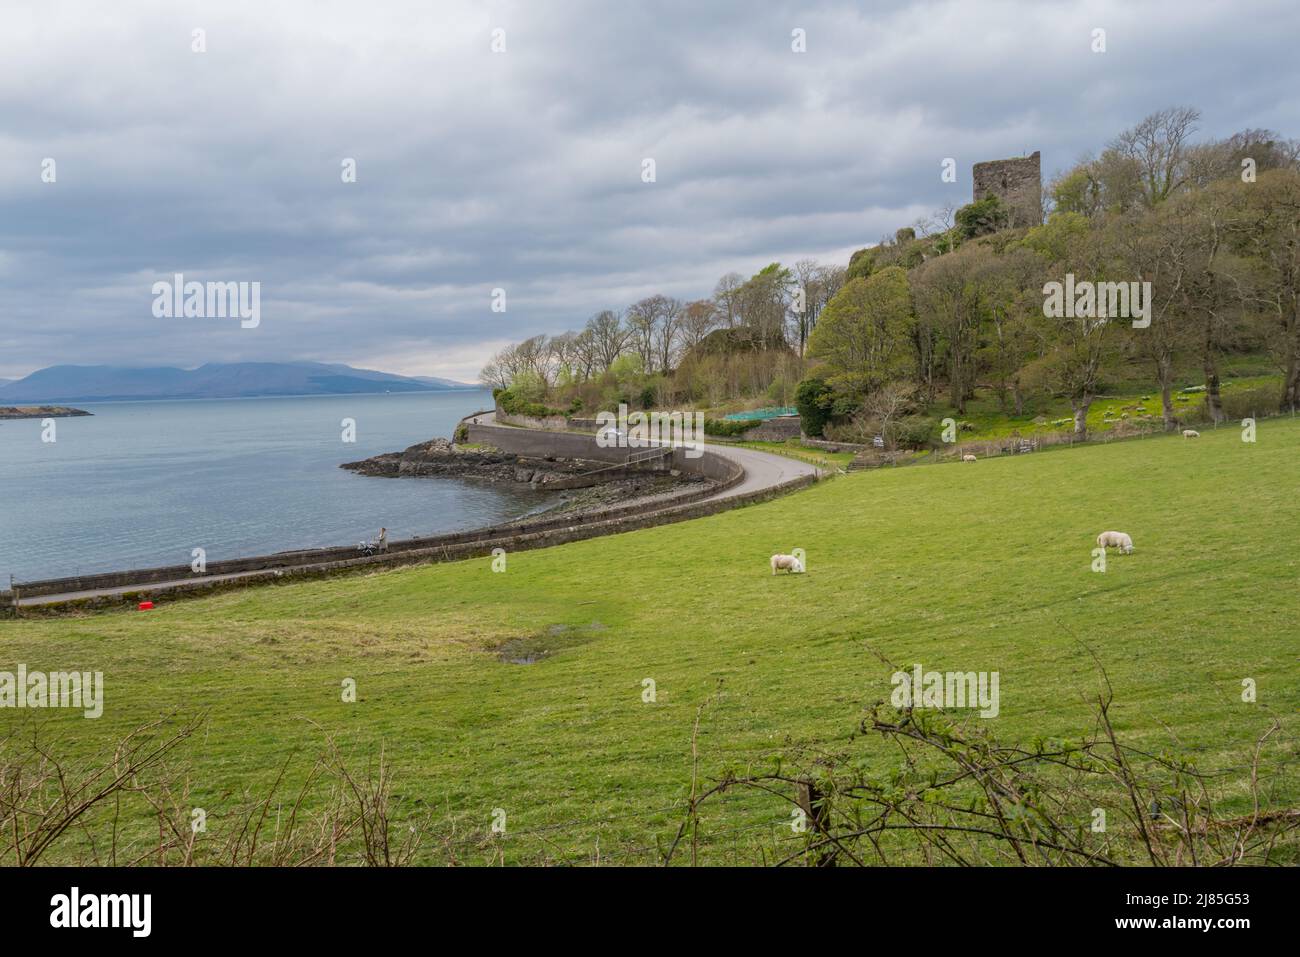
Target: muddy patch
534,648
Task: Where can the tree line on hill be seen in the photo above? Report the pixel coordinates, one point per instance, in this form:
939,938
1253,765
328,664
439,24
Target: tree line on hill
960,301
747,338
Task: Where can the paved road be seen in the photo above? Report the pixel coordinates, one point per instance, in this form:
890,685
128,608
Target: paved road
762,470
146,590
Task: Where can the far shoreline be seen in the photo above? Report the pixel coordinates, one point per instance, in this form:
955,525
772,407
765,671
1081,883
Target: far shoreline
248,398
40,412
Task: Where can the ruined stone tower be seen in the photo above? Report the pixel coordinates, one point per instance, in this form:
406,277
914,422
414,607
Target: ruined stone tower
1017,182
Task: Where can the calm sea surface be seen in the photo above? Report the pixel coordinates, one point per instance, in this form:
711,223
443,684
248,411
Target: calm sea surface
143,483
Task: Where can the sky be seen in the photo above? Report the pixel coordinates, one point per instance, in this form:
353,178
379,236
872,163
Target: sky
521,168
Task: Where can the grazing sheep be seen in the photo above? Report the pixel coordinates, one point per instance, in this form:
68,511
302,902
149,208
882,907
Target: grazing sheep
1120,540
1191,434
788,562
969,458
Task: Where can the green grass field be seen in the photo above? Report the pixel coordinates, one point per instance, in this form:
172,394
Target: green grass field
982,567
795,449
987,419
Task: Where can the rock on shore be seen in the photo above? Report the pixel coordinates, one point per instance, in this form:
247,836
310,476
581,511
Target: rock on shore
443,458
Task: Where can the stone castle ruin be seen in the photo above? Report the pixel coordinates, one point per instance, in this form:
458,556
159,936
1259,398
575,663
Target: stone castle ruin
1017,182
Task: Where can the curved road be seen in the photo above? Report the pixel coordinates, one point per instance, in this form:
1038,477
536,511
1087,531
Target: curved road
763,470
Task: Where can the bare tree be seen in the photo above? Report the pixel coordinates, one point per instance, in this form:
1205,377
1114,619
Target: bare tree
1158,145
585,355
698,319
563,356
609,337
1254,149
643,318
667,330
534,355
493,374
727,295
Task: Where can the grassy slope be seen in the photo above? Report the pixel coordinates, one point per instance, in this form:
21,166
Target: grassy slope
991,422
794,448
970,567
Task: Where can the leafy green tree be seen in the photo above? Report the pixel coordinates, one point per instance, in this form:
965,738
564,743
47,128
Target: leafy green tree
1265,228
863,333
946,296
813,399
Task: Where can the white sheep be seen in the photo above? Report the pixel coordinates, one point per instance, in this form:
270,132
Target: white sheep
1191,434
1120,540
968,457
788,562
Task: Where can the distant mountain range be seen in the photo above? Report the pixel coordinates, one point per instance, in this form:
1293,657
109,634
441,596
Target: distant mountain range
213,381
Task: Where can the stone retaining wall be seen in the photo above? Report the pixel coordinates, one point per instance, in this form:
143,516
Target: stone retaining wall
828,446
550,423
778,429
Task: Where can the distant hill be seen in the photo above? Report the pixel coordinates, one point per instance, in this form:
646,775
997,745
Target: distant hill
444,383
212,381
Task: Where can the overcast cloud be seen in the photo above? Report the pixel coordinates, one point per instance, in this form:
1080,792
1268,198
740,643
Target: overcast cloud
523,169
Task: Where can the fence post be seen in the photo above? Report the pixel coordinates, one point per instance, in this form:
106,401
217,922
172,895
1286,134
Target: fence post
813,803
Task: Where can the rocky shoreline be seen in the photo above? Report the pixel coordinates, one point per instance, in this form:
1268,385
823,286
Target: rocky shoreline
39,411
441,458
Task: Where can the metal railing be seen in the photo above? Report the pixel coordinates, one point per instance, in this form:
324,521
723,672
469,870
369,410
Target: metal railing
644,455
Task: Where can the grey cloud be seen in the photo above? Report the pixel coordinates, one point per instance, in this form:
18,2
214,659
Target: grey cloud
522,170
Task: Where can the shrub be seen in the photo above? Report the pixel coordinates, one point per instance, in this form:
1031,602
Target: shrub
843,406
512,404
981,217
911,431
861,264
528,386
728,427
461,435
1243,403
813,399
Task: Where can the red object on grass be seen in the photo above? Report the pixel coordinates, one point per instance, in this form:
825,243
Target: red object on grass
146,605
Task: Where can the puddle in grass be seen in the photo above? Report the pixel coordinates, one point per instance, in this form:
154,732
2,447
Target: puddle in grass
535,648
